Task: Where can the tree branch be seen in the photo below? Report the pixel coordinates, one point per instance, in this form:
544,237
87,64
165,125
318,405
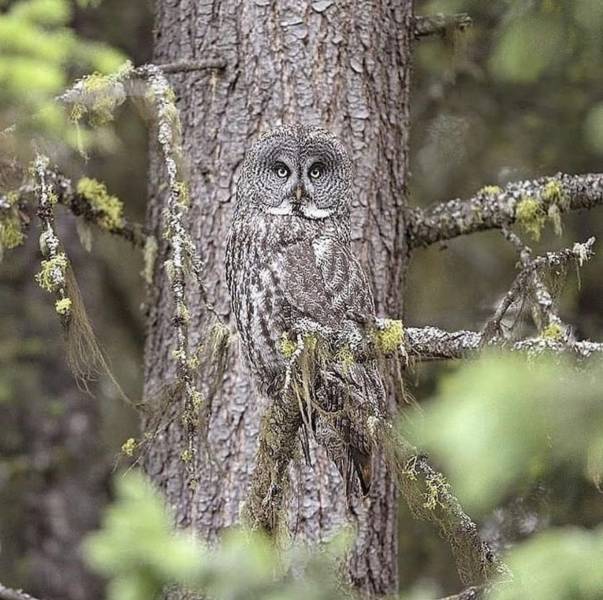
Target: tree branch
440,24
431,343
494,208
11,594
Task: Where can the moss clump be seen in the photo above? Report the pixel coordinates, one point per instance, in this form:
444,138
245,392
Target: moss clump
11,232
129,447
287,346
63,306
530,216
390,338
554,332
109,208
52,274
186,456
490,190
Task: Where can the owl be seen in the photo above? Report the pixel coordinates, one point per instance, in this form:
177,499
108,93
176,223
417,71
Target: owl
290,269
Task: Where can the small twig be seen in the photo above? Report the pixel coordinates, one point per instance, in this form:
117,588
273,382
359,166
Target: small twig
12,594
529,275
496,209
186,66
440,24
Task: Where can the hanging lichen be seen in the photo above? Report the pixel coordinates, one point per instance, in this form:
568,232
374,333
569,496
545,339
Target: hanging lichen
96,96
84,356
531,216
532,212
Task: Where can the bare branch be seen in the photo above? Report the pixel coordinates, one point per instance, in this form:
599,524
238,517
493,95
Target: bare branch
440,24
186,66
11,594
494,208
472,593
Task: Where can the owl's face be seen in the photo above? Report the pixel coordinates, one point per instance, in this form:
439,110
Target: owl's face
298,170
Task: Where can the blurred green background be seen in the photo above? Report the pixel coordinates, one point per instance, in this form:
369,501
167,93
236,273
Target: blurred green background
518,95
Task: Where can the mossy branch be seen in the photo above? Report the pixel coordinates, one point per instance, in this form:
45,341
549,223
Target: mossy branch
430,498
432,343
531,203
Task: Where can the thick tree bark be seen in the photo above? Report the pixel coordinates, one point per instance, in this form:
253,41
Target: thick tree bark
344,65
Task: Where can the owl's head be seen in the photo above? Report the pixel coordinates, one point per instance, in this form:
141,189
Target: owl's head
296,170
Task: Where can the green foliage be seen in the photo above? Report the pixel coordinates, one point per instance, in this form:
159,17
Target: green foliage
136,547
139,552
38,53
498,423
560,564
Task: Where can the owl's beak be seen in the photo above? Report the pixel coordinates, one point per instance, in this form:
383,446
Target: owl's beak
298,193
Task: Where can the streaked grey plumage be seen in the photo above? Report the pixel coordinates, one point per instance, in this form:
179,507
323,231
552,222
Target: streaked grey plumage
290,264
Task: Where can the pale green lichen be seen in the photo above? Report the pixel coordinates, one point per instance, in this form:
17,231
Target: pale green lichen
150,256
436,486
345,357
63,306
129,447
530,216
110,208
101,95
490,190
390,338
186,456
554,331
553,193
287,346
11,232
183,193
52,274
11,227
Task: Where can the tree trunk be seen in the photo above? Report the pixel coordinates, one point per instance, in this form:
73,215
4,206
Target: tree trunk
344,65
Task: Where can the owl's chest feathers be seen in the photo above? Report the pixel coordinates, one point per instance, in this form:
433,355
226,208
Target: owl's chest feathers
263,305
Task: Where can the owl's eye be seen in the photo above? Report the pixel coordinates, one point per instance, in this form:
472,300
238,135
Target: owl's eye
316,171
281,170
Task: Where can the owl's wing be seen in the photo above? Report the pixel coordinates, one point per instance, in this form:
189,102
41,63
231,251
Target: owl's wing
325,282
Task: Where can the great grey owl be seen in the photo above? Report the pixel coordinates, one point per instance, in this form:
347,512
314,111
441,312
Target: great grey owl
290,269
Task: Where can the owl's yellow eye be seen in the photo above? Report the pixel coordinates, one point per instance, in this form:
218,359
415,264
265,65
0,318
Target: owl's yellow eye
281,170
315,171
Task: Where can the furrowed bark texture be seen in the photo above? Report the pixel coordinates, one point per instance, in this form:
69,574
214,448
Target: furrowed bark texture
346,66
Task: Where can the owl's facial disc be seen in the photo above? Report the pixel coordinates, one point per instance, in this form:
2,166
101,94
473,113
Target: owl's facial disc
300,171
